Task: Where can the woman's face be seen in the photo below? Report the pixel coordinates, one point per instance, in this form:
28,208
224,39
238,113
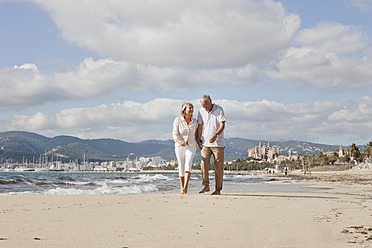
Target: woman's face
189,110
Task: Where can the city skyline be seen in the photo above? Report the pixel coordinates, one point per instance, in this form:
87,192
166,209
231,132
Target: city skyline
282,70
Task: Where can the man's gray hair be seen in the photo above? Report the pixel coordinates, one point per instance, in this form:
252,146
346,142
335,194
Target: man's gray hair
206,98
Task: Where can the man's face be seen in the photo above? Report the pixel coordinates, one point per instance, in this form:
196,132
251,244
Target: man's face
207,105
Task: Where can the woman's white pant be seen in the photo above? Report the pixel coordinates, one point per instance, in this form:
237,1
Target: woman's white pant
185,155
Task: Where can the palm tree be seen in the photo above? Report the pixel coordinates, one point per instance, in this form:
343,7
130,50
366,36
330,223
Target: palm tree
334,157
368,151
355,153
322,158
346,158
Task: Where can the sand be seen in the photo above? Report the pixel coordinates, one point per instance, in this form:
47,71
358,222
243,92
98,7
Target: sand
336,212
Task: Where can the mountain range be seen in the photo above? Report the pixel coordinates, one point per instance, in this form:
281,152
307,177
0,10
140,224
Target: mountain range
18,145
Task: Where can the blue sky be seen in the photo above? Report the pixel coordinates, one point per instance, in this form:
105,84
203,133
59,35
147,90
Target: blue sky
282,70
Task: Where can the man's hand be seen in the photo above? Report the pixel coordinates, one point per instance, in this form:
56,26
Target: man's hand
213,138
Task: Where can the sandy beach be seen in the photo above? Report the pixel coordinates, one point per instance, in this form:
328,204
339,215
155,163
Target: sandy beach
336,211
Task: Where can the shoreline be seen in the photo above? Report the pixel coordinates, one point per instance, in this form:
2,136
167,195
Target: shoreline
336,212
122,183
227,172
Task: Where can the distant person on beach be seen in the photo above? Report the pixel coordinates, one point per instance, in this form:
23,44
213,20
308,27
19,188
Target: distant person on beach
211,123
184,136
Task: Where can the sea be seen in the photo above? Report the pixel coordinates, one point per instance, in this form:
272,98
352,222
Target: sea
56,183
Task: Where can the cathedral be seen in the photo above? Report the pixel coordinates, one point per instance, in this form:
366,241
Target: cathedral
264,152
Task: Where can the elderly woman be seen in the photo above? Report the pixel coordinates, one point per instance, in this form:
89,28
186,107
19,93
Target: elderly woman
184,135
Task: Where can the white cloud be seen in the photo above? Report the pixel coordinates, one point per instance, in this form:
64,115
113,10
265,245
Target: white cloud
330,56
25,86
177,33
162,47
362,5
360,111
31,67
333,37
129,120
158,110
39,121
134,121
198,44
276,121
353,122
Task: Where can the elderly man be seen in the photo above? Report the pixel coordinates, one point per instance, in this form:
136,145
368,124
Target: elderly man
211,122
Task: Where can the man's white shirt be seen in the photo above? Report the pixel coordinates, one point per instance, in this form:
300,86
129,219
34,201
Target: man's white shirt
211,123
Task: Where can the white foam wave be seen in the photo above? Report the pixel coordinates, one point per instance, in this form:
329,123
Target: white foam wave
104,189
75,183
117,181
241,176
151,178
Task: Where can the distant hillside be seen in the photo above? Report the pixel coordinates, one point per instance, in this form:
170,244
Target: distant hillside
19,145
69,147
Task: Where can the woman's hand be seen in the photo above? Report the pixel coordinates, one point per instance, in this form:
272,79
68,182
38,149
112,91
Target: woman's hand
181,142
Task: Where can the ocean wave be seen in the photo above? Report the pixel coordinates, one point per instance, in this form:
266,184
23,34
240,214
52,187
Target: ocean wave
66,178
145,178
10,181
119,183
135,189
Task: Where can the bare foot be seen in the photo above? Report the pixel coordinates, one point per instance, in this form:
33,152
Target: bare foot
205,189
184,191
217,192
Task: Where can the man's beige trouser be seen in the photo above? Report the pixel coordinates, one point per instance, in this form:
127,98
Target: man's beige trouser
219,159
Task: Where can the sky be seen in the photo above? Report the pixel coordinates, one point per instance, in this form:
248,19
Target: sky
282,70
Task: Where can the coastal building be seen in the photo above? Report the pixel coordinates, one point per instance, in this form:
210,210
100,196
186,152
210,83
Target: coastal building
341,152
290,157
264,152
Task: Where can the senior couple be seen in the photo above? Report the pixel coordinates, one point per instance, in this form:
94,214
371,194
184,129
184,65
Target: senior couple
187,134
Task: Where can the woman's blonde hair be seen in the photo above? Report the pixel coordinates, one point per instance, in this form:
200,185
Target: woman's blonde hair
184,107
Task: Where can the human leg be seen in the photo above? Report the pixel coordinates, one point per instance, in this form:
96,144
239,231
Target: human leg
219,160
206,154
180,154
189,156
186,181
182,183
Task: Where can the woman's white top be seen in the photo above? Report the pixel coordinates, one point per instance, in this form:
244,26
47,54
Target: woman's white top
185,132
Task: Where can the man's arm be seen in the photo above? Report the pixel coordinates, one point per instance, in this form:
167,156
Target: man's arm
199,132
218,132
221,128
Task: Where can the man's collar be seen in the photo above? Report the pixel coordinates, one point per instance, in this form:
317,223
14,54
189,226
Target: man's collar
213,107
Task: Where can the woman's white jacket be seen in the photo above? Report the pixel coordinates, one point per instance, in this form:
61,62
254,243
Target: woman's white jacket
185,132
